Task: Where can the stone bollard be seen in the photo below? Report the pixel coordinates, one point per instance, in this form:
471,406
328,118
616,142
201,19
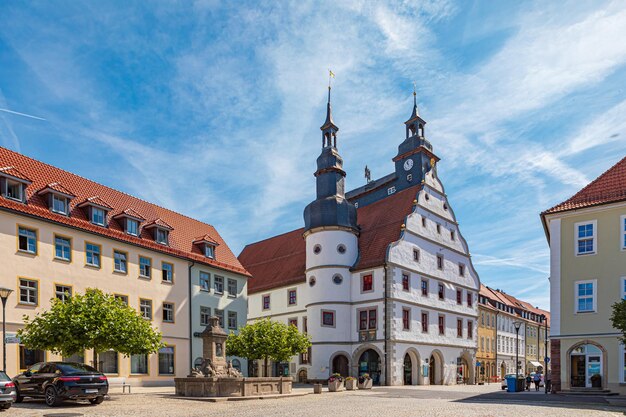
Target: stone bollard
317,388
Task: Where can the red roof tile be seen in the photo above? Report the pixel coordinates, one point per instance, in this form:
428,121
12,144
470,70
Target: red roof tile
55,186
95,200
160,223
205,238
181,237
14,172
281,260
130,213
609,187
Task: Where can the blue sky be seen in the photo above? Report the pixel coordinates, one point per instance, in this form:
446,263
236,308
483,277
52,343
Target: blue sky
213,108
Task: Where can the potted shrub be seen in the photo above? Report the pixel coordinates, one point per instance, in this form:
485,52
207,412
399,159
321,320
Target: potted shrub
365,382
350,383
596,381
335,383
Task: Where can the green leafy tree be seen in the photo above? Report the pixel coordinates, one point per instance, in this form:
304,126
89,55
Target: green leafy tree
619,318
267,339
95,321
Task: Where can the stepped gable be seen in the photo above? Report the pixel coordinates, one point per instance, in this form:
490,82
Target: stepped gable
610,187
281,260
184,229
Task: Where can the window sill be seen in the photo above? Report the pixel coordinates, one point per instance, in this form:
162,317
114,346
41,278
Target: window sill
92,266
27,252
145,278
138,375
586,254
167,282
117,272
67,261
27,304
585,312
168,322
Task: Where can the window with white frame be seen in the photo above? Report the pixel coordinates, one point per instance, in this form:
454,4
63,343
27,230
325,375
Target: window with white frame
27,240
205,314
585,296
623,288
218,284
98,216
586,237
232,287
162,236
132,227
62,248
145,308
232,320
62,292
205,281
14,190
168,312
59,204
120,262
622,226
167,272
92,254
220,317
145,267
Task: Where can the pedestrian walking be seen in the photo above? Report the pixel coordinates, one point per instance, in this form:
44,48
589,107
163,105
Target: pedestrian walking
537,381
528,380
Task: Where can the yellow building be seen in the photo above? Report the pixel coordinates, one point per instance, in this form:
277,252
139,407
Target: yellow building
587,238
487,335
61,234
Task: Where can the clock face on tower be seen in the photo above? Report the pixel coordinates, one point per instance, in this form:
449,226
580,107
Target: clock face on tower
408,164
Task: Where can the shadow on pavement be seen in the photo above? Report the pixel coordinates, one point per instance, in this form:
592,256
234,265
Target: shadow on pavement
543,400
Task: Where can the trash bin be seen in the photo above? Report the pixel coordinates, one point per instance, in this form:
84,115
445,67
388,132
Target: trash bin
511,384
521,384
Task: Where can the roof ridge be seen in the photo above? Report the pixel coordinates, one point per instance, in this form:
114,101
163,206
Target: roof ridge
105,186
270,238
582,190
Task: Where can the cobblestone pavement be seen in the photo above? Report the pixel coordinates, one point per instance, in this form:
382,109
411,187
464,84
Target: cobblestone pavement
464,401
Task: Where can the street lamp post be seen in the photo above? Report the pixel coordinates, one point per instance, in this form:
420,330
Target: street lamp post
4,295
545,353
517,325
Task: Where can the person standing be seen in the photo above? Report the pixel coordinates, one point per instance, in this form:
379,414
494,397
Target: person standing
537,381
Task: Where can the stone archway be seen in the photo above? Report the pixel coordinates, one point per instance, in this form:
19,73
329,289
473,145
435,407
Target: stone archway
368,359
435,371
584,359
303,376
412,359
469,370
341,365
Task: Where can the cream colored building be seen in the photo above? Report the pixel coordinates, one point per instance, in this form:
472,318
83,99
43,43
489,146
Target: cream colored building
61,234
587,238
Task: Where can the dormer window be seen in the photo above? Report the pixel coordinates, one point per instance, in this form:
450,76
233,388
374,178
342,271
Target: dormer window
130,220
15,190
97,216
59,204
207,245
162,236
161,231
97,210
13,184
58,198
132,227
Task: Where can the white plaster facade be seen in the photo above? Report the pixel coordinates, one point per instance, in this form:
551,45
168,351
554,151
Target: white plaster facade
390,340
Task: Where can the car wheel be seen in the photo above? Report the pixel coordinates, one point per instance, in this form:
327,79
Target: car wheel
97,400
51,397
18,397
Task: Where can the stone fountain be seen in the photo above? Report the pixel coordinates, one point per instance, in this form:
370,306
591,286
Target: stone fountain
214,376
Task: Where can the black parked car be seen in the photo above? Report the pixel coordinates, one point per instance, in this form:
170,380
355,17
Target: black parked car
59,381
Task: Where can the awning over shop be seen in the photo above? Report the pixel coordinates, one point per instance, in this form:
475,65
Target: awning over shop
535,363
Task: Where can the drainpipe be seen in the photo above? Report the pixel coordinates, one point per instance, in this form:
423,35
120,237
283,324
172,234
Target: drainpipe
387,322
190,318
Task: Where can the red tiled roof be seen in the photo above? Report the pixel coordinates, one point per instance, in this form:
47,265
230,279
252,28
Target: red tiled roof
609,187
512,301
130,213
14,172
281,260
180,239
95,200
205,238
55,186
159,222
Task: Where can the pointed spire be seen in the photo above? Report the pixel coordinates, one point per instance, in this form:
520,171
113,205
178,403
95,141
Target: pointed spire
329,111
415,113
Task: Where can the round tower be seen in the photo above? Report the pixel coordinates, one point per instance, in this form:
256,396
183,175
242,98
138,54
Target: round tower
331,236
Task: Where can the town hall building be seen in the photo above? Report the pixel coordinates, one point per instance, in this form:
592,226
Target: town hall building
380,277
